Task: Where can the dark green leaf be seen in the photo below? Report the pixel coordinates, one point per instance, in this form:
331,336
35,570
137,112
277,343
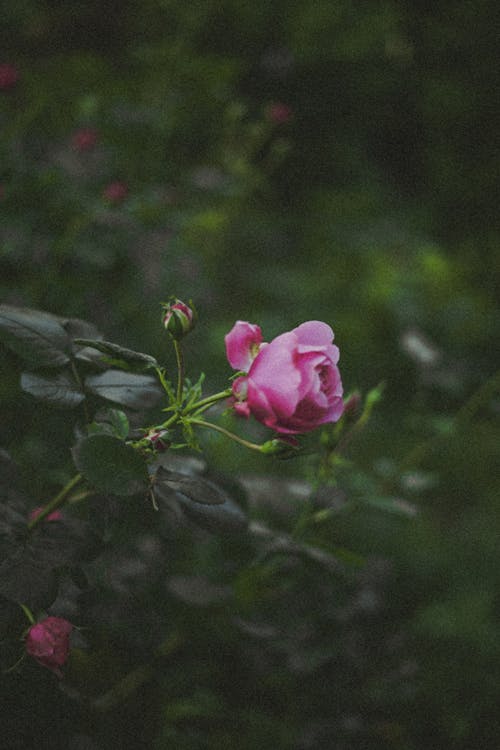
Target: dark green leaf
196,489
37,337
118,352
59,390
110,465
227,517
221,515
127,388
110,422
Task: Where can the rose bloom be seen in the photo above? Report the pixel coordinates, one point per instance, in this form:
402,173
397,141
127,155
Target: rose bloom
292,384
48,643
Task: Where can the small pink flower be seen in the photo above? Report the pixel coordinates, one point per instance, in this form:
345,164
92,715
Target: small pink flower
279,113
115,192
48,643
56,515
9,76
293,384
85,139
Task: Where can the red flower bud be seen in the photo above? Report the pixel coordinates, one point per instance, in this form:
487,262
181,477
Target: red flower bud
159,439
85,139
279,113
9,76
179,319
115,192
56,515
48,643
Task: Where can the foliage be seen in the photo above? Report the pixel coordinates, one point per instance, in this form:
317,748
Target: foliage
141,151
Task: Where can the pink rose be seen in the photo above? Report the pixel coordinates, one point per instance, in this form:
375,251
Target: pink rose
293,384
48,643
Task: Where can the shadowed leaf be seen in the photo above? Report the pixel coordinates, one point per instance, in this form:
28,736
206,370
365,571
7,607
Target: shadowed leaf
37,337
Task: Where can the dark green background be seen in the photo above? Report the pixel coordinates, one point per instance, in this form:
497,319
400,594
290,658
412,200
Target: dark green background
375,208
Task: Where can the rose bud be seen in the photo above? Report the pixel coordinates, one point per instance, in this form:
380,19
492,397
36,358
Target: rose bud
56,515
85,139
179,319
159,440
48,643
293,384
285,447
115,192
279,113
9,76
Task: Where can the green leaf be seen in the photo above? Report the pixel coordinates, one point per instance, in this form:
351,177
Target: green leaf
110,422
36,336
127,388
207,504
196,489
59,390
110,465
117,352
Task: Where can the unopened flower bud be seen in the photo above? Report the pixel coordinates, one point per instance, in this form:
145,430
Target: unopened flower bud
179,319
159,440
280,447
115,192
84,140
48,643
56,515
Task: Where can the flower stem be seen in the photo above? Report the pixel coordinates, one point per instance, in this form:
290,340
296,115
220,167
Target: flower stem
180,370
205,403
56,502
231,435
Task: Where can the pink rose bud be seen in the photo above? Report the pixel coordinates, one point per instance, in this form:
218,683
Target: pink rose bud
85,139
278,113
293,384
9,76
115,192
56,515
159,439
179,319
48,643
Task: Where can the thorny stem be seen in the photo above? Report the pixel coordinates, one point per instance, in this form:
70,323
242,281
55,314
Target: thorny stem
56,502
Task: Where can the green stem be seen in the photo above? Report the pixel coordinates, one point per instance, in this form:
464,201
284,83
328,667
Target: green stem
28,613
231,435
205,403
56,502
180,369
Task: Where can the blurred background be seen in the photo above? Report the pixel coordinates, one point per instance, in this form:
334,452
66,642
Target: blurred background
279,162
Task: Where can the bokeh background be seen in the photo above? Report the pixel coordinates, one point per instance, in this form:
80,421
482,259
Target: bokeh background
279,162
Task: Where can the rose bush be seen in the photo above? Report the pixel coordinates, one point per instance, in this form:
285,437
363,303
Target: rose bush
292,384
48,643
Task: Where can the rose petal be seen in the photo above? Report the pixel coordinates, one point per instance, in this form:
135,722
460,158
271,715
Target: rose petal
242,344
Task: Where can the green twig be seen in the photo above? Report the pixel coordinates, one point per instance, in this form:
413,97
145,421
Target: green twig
180,369
223,431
